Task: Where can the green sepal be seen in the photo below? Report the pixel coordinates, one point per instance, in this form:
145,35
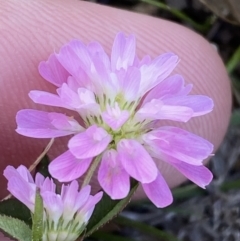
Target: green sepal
37,227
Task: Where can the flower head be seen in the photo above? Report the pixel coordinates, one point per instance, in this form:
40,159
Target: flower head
119,104
66,214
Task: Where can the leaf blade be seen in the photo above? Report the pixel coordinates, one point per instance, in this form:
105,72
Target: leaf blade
14,208
15,228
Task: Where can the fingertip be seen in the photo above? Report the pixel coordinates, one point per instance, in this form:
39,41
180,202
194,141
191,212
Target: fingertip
41,27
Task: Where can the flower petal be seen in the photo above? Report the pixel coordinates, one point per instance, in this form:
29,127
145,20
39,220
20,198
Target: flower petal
96,50
25,174
70,60
200,104
67,167
115,117
130,82
69,97
158,192
19,187
157,71
89,143
45,184
89,206
20,172
69,201
112,177
45,98
53,71
200,175
82,197
173,85
157,110
54,206
40,124
136,161
178,143
123,51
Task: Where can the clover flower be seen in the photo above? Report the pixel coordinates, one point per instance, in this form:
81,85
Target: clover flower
119,104
66,214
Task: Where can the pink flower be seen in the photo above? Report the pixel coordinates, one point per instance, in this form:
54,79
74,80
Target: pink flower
66,214
120,102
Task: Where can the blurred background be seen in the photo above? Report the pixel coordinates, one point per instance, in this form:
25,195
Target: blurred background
216,217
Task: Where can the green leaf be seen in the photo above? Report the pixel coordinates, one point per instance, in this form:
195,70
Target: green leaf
37,228
16,209
15,228
107,209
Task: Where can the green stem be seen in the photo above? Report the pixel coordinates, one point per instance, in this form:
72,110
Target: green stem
145,228
91,171
180,15
233,61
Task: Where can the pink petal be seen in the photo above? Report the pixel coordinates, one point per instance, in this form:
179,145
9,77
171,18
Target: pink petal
69,200
89,143
157,71
158,192
25,174
157,110
20,172
130,83
23,191
96,50
86,96
70,60
175,113
45,184
112,177
115,117
53,204
67,167
90,63
200,104
40,124
39,179
45,98
90,204
53,71
82,197
74,83
69,97
200,175
81,52
136,161
180,144
146,60
99,72
63,122
123,51
173,85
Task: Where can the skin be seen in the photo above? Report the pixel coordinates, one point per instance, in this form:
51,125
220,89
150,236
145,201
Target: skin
31,30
